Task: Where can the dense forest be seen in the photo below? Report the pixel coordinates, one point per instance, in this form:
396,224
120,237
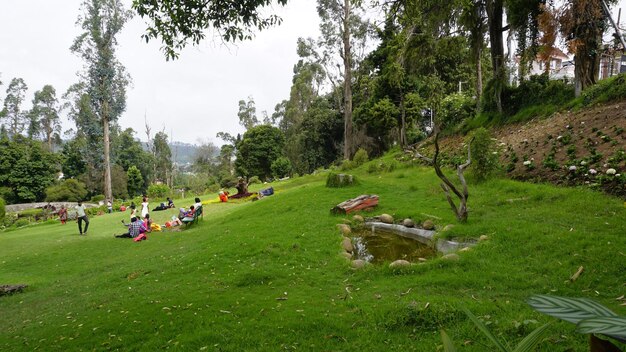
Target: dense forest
366,83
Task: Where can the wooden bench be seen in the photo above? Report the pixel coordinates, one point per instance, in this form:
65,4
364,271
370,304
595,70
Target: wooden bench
192,220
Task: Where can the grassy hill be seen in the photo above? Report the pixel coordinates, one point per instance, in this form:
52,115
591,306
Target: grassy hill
267,275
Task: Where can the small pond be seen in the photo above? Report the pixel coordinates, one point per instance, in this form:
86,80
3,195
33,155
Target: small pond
378,246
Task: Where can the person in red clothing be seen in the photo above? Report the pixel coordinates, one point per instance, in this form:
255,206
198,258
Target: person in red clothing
63,214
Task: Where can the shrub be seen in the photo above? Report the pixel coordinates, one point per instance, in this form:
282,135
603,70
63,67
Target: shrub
340,180
484,161
97,198
228,181
158,191
347,165
456,108
69,190
2,209
21,223
360,157
254,180
281,167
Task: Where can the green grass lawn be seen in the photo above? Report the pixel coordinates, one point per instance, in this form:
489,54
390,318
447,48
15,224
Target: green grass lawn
267,275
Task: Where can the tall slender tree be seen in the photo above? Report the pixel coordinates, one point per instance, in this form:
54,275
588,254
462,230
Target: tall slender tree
344,33
495,13
12,112
104,76
162,157
45,112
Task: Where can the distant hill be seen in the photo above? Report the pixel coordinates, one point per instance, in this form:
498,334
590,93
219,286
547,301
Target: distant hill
182,153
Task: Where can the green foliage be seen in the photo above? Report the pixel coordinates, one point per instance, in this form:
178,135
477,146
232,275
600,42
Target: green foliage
589,316
360,157
526,345
73,164
610,89
2,209
456,108
281,167
254,180
536,96
176,24
135,181
334,180
229,181
70,190
484,161
162,156
158,191
97,198
260,146
27,169
347,165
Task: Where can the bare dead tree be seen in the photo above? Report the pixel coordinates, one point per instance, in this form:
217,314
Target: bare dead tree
448,187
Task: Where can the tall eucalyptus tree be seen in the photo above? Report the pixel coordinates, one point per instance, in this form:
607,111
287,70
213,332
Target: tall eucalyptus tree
104,77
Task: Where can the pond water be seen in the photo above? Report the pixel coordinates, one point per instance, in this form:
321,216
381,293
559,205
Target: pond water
381,246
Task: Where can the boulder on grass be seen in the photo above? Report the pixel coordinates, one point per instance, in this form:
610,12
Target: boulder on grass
408,223
346,255
451,257
400,264
428,225
358,218
358,264
346,244
344,229
386,218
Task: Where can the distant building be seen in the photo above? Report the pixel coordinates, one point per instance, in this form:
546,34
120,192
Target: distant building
561,66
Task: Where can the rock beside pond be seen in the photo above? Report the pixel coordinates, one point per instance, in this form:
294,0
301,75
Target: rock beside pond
448,227
346,255
346,244
400,264
452,257
386,218
358,218
408,223
428,225
483,238
344,229
358,264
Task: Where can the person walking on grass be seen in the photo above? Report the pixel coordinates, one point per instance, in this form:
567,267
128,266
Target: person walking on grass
63,214
80,217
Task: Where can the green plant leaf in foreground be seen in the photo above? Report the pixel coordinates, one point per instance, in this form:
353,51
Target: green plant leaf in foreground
530,341
569,309
448,345
485,331
611,326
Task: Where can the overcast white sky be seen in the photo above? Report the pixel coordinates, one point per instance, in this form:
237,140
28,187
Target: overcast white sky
193,97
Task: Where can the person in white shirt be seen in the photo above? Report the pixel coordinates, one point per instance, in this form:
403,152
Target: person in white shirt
80,217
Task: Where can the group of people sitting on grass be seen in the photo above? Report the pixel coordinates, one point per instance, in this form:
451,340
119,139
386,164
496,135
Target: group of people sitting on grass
138,227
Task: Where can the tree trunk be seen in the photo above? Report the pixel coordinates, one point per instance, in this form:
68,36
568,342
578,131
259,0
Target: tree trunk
347,84
495,13
479,78
403,141
108,193
49,137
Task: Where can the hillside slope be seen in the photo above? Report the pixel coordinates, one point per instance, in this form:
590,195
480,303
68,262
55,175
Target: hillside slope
570,148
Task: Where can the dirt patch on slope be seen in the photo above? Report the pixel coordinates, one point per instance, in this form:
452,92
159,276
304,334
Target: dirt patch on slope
586,147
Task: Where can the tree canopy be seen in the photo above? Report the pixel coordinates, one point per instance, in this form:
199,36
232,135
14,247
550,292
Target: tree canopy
176,23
